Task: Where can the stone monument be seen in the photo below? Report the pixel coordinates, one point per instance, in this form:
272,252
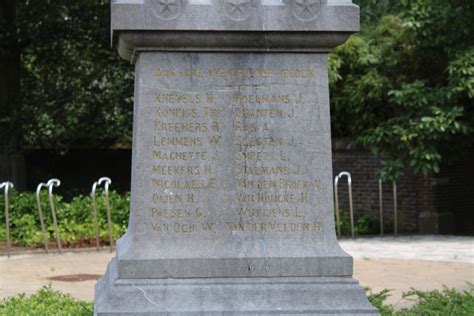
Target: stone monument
232,201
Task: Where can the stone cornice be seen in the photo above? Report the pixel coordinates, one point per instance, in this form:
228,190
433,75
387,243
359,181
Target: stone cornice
231,25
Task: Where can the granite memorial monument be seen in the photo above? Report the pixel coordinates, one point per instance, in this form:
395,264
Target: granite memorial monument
232,201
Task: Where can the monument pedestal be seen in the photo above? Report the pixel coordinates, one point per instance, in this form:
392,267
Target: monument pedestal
231,202
206,296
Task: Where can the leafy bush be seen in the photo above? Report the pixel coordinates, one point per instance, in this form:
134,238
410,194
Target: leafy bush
75,219
445,302
378,301
45,302
433,303
364,224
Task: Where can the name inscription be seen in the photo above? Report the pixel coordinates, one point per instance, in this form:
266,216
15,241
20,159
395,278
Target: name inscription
233,141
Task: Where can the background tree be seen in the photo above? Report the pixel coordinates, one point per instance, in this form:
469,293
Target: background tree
76,90
404,86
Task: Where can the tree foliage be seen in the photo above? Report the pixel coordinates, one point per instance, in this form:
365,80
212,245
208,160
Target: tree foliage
76,90
404,86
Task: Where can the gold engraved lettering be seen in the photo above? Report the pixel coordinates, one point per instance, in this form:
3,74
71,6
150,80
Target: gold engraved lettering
269,189
195,72
207,226
192,127
263,212
165,72
171,213
198,212
160,227
254,156
190,198
176,98
176,170
210,112
241,127
282,184
184,228
298,214
258,113
208,170
304,197
298,73
260,184
216,156
210,98
316,184
167,198
185,184
266,198
239,73
282,156
262,170
291,113
176,112
245,198
214,140
177,141
275,226
258,141
176,155
286,184
261,99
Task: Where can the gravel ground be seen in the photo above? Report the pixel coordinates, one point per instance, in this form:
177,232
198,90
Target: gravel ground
421,262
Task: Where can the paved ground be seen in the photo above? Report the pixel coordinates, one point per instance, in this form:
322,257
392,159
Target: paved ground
430,248
425,263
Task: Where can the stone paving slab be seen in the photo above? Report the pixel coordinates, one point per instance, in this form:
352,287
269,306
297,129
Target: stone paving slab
429,248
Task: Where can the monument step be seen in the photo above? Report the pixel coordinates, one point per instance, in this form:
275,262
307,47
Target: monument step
235,267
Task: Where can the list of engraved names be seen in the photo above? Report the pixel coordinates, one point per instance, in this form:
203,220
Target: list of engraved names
231,141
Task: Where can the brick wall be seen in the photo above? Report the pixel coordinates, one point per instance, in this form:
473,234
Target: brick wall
363,167
452,191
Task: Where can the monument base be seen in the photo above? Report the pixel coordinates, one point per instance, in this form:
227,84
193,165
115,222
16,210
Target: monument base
285,295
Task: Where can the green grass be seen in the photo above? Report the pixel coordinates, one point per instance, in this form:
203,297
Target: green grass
432,303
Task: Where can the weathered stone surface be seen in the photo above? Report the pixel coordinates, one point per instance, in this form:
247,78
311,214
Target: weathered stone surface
241,296
231,207
231,25
255,196
235,15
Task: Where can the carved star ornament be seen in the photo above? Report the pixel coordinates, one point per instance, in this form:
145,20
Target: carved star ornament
238,10
167,9
306,10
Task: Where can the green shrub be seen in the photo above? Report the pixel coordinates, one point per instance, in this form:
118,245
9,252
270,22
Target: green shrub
378,301
441,303
364,224
432,303
45,302
75,219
